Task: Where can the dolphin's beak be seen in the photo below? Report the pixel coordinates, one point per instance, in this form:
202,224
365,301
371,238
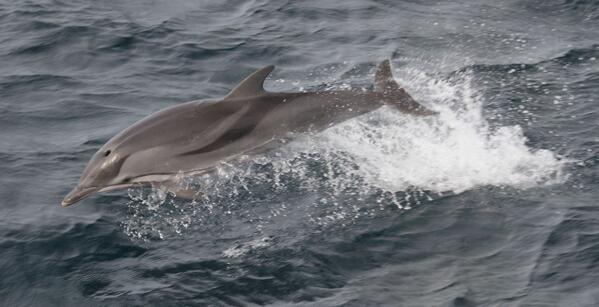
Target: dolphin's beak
77,194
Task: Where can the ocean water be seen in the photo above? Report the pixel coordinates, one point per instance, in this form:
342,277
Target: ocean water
494,202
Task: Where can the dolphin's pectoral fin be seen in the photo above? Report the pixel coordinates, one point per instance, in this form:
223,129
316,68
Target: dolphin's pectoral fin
179,189
393,94
253,85
186,193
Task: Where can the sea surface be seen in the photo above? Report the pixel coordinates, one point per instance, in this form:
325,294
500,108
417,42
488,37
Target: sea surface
493,202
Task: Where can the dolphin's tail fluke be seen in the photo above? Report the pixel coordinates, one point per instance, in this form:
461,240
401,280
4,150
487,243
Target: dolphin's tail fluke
394,95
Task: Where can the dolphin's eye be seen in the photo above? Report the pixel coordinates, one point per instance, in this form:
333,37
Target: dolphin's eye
126,180
107,153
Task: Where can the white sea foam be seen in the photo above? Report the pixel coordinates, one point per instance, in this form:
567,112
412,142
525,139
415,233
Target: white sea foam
244,248
455,151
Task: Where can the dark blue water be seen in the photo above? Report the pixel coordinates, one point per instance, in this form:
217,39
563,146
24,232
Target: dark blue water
493,203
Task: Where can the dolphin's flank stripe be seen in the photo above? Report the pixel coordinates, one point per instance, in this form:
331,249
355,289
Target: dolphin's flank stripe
243,127
224,140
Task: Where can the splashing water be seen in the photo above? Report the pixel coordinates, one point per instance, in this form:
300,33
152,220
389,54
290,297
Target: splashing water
456,151
356,169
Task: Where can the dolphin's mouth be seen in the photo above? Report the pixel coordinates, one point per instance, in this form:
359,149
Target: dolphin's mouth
77,194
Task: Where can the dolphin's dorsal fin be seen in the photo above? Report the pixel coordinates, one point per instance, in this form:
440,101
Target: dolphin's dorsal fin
253,85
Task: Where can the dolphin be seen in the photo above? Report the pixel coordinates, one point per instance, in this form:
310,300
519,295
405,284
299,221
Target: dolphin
195,137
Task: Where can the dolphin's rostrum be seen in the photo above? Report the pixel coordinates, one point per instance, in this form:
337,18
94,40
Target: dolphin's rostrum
195,137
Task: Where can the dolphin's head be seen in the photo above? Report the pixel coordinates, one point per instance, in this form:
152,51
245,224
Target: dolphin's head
149,151
101,174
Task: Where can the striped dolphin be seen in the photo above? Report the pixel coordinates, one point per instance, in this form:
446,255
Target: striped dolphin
195,137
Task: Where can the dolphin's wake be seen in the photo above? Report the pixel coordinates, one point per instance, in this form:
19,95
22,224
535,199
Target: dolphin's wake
372,164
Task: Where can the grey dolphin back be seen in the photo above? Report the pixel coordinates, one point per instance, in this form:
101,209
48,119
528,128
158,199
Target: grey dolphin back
251,86
393,94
